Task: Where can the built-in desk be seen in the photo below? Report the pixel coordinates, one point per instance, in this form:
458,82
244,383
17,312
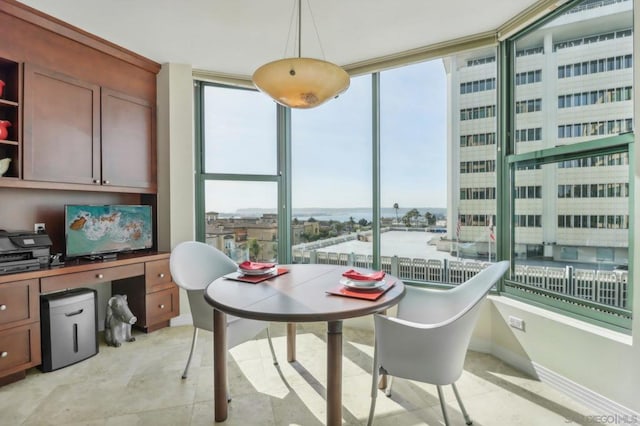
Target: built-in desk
144,278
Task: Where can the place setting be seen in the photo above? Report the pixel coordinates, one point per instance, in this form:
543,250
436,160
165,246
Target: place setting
359,285
255,272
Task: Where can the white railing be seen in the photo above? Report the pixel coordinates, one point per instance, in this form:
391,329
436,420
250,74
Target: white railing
606,287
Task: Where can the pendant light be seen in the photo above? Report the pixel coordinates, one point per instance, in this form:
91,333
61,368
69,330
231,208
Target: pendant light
301,82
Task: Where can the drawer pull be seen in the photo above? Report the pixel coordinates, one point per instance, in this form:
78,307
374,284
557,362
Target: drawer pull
4,354
161,306
3,307
106,182
99,276
161,275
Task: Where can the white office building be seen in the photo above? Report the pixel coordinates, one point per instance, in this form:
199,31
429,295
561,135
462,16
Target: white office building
559,214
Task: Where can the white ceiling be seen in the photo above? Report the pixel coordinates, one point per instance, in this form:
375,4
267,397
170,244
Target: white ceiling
234,37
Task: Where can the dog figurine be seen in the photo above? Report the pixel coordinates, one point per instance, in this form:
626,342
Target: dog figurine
118,321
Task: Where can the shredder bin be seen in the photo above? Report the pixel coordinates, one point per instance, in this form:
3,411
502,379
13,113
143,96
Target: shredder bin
69,325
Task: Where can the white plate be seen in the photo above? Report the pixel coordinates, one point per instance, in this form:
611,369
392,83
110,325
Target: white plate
257,271
362,285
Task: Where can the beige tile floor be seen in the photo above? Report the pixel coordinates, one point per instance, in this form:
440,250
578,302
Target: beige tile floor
139,384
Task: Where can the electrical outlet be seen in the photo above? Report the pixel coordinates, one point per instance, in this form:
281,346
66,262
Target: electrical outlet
39,227
516,322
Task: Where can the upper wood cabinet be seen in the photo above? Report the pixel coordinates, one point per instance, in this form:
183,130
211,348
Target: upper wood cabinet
77,132
128,148
61,128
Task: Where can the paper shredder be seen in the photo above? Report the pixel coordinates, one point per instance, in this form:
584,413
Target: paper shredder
69,326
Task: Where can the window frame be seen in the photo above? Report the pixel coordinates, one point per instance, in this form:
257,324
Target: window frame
604,315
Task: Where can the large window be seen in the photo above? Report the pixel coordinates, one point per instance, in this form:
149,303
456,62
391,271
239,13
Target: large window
422,171
570,244
331,177
238,173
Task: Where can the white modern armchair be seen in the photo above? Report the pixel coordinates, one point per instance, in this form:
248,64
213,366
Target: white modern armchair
195,265
428,339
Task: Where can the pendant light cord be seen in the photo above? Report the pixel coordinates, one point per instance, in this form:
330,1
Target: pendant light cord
299,24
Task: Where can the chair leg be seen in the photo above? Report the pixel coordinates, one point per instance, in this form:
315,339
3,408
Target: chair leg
467,419
442,405
374,387
193,345
388,390
273,352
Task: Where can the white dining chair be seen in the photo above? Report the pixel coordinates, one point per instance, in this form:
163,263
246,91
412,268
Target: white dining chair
428,339
195,265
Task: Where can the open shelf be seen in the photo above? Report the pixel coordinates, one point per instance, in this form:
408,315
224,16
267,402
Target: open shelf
10,97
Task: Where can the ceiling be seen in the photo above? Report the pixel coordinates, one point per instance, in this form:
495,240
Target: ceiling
234,37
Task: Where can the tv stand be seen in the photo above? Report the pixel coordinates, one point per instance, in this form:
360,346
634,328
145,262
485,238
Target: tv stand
106,256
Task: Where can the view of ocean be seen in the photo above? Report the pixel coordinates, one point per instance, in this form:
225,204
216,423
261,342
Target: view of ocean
338,214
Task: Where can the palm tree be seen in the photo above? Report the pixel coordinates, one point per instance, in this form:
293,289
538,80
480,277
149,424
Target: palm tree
395,206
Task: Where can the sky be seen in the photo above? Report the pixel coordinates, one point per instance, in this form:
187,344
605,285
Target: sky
331,144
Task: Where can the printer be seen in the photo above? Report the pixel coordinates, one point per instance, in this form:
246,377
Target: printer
23,251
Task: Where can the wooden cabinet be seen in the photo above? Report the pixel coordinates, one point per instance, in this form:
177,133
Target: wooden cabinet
10,104
154,298
78,132
61,128
19,327
128,141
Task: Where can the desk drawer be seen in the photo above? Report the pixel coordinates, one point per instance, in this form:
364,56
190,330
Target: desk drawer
162,305
19,348
19,303
158,275
80,279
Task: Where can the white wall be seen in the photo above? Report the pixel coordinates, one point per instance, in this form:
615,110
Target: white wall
176,164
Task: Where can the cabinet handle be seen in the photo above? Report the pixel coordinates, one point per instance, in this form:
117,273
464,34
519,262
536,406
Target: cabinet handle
4,354
161,275
3,307
106,182
161,306
99,276
96,181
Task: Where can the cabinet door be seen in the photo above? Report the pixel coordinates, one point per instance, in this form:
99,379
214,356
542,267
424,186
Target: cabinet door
128,141
61,128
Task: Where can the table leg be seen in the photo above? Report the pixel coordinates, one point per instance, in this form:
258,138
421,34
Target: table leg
291,342
334,373
221,404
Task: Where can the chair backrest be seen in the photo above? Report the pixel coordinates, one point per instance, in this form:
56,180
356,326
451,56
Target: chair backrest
458,299
195,265
434,351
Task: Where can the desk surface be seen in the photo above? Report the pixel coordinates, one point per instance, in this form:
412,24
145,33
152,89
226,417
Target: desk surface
297,296
80,265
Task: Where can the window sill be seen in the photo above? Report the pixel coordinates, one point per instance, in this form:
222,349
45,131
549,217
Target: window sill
565,320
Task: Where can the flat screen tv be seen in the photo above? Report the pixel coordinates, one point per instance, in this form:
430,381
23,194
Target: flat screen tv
102,231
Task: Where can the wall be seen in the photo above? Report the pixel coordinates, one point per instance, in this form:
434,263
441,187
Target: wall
176,165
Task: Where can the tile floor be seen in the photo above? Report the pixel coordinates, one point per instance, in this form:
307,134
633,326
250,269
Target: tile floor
139,384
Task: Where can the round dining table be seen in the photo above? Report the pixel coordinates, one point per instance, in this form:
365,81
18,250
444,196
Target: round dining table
299,293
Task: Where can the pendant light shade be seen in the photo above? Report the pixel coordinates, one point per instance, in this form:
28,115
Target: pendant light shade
301,82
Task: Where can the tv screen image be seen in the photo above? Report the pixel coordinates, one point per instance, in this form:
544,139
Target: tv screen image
92,230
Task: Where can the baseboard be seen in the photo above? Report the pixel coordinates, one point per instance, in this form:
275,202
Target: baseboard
602,406
182,319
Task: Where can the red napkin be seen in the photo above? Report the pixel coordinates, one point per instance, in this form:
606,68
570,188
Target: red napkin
352,274
255,266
